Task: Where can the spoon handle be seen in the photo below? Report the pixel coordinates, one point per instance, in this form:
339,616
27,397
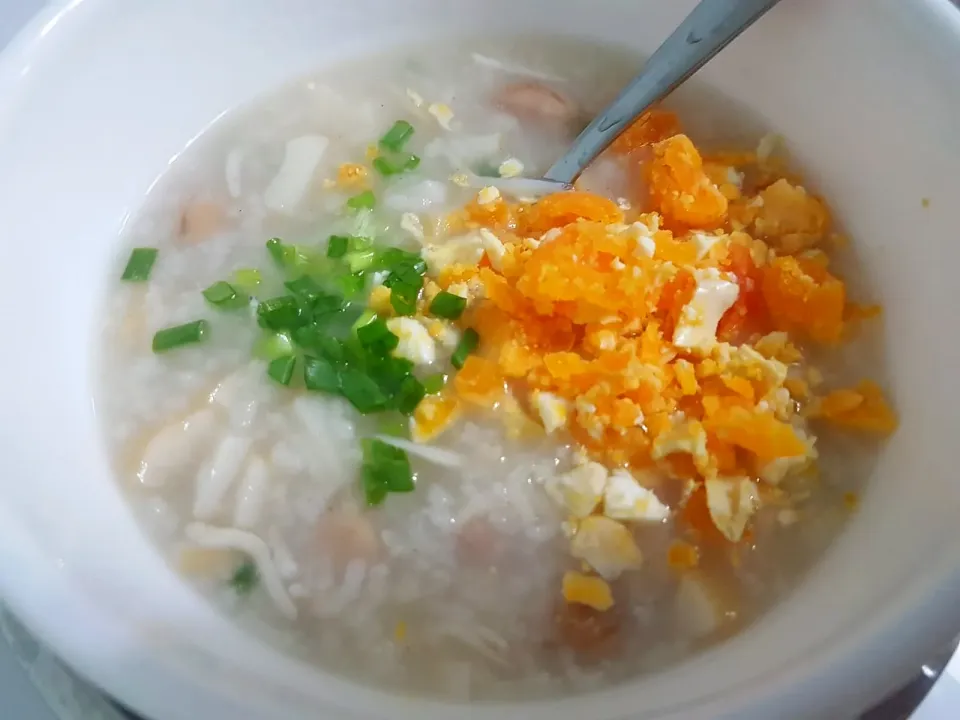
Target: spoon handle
709,28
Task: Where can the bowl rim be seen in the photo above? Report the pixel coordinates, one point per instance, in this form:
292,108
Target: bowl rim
894,625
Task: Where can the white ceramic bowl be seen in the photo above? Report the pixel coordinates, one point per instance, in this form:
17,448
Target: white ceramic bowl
97,96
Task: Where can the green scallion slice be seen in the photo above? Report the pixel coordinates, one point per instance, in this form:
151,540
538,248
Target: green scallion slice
351,285
281,369
360,260
374,484
247,279
279,313
337,246
140,264
320,375
448,305
245,578
362,391
397,136
403,298
468,343
304,285
394,426
395,165
356,243
376,337
222,295
279,251
386,469
433,384
367,317
409,395
391,465
180,335
364,201
273,345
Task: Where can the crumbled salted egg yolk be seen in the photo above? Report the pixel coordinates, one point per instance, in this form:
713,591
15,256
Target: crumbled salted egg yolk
488,195
777,470
462,250
731,501
580,490
415,344
511,167
705,242
625,499
443,114
553,410
606,546
714,295
683,436
443,332
433,415
587,590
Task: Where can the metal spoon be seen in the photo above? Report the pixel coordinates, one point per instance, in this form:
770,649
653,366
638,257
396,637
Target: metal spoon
710,27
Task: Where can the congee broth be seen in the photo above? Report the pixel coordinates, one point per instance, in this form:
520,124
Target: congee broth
437,436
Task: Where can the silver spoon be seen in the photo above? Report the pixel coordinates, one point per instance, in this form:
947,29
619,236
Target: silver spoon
710,27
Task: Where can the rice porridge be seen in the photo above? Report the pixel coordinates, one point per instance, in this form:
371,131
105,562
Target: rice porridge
434,435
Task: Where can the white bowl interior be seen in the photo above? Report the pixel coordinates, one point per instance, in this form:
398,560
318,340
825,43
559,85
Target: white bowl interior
99,95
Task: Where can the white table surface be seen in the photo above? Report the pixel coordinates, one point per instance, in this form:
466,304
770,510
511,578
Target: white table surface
22,700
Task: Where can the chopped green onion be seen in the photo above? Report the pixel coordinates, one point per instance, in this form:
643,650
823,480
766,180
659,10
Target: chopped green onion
394,260
433,384
394,426
352,285
278,250
366,318
286,256
362,391
409,395
468,343
247,279
179,335
403,298
397,136
388,166
376,337
331,349
273,345
389,372
386,469
391,463
282,368
447,305
356,243
223,295
324,304
360,260
364,201
140,264
305,288
245,578
279,313
375,490
319,374
337,246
